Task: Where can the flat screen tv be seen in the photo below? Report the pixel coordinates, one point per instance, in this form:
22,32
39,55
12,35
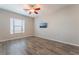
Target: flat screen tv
43,25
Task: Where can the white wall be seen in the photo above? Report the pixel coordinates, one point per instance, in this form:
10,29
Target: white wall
5,25
63,24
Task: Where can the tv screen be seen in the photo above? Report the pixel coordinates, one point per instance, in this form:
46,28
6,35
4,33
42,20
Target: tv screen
43,25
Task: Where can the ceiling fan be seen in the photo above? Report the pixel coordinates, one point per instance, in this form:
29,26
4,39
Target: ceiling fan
32,8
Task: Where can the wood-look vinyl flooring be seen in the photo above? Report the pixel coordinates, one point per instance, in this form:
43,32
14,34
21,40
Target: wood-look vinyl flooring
36,46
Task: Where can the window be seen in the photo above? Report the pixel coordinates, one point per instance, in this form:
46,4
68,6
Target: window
16,26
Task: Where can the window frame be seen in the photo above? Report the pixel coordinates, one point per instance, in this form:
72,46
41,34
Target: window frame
13,26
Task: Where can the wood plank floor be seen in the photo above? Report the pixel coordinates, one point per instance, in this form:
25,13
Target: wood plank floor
36,46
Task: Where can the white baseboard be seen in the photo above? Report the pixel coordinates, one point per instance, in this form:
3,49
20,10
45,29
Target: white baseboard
65,42
40,37
14,38
60,41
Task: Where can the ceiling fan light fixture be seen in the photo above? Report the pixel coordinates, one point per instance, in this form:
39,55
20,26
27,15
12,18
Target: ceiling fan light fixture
34,8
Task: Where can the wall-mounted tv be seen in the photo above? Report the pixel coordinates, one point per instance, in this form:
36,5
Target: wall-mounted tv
43,25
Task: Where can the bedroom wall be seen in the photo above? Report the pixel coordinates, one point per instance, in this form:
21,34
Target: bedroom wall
63,24
5,25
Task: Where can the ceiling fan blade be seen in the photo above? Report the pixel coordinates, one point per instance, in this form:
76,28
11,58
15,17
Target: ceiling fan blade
26,9
35,12
37,9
